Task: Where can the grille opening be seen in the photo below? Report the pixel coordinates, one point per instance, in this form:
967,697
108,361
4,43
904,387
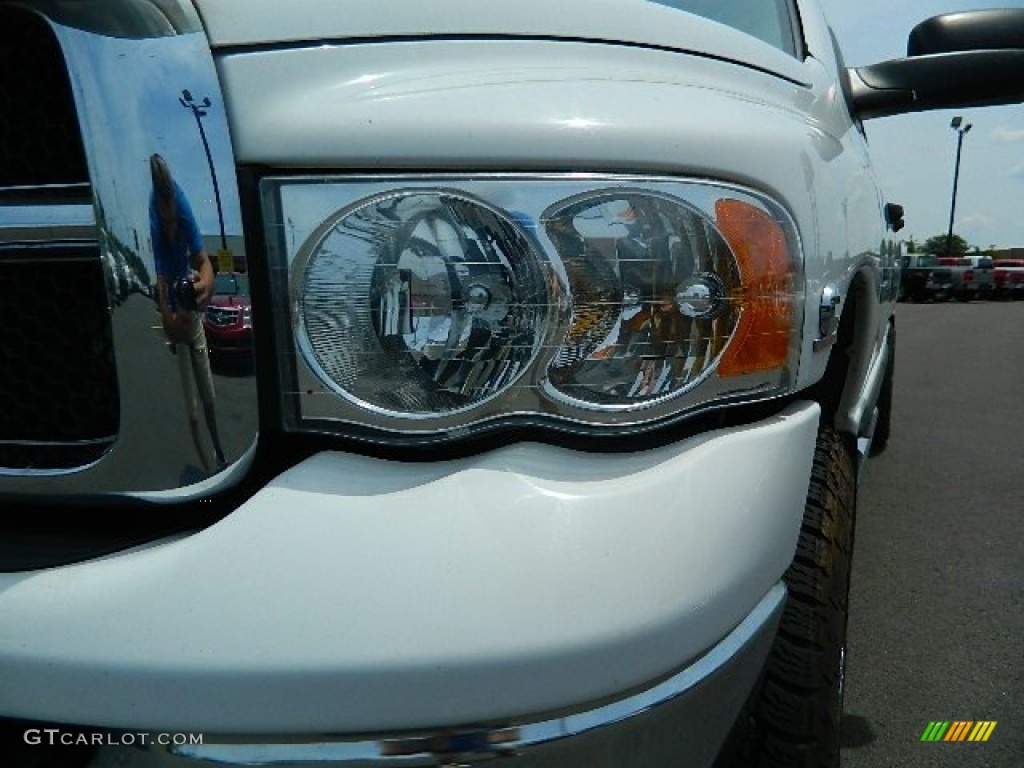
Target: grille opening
58,380
40,142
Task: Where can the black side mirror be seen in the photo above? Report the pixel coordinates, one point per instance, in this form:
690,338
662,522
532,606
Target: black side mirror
969,59
894,216
996,29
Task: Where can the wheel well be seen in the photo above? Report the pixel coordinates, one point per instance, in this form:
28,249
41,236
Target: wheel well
850,353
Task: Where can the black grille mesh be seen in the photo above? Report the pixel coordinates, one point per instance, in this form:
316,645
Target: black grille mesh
39,138
58,382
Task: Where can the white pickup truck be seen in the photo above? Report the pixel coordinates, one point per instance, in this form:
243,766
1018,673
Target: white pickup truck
572,324
973,276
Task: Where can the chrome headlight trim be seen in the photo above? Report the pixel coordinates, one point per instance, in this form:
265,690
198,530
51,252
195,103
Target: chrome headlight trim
297,209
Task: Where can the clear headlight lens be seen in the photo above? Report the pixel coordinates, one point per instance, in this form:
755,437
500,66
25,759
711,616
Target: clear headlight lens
653,285
428,307
421,303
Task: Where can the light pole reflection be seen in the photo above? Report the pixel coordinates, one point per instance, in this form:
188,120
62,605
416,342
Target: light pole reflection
199,111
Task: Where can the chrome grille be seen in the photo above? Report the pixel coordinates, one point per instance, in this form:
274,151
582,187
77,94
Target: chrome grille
95,99
222,317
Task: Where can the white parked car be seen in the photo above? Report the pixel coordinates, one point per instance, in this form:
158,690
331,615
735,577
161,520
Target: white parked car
573,323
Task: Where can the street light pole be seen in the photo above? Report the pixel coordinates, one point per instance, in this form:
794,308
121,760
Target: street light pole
956,125
199,112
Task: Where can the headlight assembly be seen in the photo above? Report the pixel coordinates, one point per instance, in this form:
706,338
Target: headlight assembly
422,307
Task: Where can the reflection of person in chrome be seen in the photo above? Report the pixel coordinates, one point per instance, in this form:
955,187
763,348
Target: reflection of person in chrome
184,283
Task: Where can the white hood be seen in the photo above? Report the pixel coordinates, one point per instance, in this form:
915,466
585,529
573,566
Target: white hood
628,22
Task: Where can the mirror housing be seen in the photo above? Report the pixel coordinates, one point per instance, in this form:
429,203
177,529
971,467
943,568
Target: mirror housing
969,59
997,29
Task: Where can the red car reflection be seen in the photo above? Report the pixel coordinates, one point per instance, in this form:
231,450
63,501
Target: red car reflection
228,318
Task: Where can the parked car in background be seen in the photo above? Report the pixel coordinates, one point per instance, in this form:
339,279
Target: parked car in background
574,327
227,320
972,276
1008,279
922,278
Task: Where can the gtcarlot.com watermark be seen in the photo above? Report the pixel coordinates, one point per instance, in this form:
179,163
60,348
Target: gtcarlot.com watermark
57,737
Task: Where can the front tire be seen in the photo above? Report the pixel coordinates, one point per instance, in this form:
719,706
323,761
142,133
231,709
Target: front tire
792,720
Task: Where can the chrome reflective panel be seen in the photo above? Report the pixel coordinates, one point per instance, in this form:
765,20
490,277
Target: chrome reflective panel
157,218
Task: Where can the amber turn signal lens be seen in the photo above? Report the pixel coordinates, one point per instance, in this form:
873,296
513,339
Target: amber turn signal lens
762,338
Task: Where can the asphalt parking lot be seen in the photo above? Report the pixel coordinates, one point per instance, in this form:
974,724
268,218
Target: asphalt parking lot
937,604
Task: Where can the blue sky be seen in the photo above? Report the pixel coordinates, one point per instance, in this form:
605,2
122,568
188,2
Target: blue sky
914,154
134,111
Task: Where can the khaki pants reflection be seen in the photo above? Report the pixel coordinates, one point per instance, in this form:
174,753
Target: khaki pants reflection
194,369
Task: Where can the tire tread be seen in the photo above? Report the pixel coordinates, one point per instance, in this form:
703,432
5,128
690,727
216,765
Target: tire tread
793,720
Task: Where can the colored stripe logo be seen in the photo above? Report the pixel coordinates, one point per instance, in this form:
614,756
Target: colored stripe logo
958,730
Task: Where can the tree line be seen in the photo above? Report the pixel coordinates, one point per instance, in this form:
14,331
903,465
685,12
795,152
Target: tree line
943,245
